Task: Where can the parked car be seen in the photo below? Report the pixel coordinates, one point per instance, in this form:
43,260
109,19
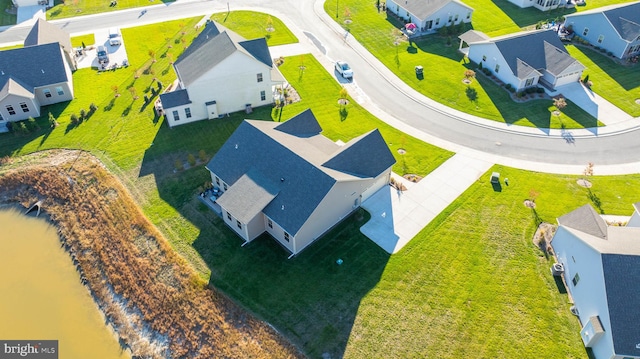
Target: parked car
103,55
343,69
115,37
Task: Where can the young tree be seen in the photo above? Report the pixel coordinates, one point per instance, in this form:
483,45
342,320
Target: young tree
469,74
152,55
560,103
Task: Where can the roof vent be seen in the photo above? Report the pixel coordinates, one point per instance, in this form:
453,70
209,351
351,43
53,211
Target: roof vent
283,207
281,179
2,72
42,70
236,146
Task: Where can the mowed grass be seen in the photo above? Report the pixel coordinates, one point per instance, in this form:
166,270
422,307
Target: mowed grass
87,40
616,83
70,8
6,18
444,69
474,280
253,25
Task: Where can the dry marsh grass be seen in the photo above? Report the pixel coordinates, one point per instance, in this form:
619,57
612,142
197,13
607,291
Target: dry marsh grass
158,305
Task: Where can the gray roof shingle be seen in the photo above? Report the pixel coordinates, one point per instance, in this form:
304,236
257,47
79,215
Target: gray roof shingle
251,193
423,8
13,87
585,219
33,66
44,32
211,47
302,125
621,275
365,156
625,18
175,98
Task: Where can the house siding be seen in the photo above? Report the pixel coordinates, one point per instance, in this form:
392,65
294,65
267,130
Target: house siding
598,25
589,294
182,115
450,9
67,88
242,232
634,221
493,58
232,84
277,232
14,101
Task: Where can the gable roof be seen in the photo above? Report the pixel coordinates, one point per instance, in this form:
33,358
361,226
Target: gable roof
539,50
625,18
251,193
287,161
44,32
12,87
26,67
424,8
175,98
364,156
212,46
585,219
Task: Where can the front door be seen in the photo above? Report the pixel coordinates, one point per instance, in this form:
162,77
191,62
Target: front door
429,25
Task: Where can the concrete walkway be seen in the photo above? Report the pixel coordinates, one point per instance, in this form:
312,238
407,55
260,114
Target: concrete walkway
396,217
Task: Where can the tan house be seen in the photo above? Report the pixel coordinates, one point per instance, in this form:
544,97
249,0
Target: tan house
290,181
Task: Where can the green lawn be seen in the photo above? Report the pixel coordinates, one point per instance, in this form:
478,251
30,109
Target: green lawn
252,25
71,8
618,84
444,71
88,39
5,18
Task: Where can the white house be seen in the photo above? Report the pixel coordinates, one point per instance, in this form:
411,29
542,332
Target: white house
602,271
290,181
31,77
22,3
615,28
543,5
523,59
219,73
430,15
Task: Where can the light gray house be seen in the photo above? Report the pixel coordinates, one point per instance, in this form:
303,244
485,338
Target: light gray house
602,270
544,5
290,181
430,15
523,59
219,73
615,28
32,77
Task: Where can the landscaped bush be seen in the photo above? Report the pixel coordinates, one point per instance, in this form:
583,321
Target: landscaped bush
609,53
203,156
508,86
530,90
191,159
539,90
74,119
32,125
520,94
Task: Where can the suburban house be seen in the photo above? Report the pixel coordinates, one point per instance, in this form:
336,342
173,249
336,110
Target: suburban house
601,267
544,5
43,32
615,28
31,77
430,15
22,3
219,73
523,59
290,181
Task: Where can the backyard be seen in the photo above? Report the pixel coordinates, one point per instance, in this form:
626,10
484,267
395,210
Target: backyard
472,270
444,66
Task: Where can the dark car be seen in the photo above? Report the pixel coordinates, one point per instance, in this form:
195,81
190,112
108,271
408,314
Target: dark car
103,55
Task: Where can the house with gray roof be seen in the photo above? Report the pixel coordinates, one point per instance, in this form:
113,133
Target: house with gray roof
543,5
288,180
615,28
430,15
31,77
601,265
43,32
524,59
219,73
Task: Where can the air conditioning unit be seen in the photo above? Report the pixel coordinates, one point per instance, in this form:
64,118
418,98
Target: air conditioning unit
557,269
574,310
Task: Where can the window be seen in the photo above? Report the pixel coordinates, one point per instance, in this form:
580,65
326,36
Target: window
11,110
469,15
259,77
176,115
497,68
24,107
286,236
529,82
263,95
239,224
576,279
224,186
59,90
600,38
450,18
437,21
269,223
228,216
217,180
47,93
187,112
456,18
484,58
585,31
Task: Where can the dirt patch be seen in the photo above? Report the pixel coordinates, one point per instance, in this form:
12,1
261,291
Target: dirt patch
402,151
343,102
638,101
542,237
529,203
466,81
584,183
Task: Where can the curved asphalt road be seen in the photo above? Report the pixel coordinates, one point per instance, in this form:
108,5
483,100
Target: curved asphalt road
390,99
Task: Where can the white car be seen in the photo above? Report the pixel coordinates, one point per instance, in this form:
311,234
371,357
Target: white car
344,70
115,36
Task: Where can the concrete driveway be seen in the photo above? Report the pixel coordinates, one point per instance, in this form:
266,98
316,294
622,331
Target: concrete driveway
117,53
593,104
396,217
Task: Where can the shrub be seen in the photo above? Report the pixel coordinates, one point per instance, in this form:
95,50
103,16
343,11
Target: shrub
602,49
202,155
52,121
20,128
530,90
511,89
609,53
178,165
93,107
486,71
539,90
480,66
74,119
191,159
32,125
520,94
83,114
586,79
508,86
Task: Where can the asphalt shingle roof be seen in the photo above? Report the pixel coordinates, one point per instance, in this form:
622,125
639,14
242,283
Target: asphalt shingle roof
33,66
43,32
13,87
423,8
251,193
585,219
175,98
365,156
625,18
305,125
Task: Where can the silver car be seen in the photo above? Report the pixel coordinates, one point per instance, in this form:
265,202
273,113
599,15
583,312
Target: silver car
344,70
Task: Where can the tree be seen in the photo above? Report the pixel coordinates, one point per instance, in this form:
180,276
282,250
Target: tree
115,90
133,92
152,55
560,103
343,96
52,121
269,24
469,74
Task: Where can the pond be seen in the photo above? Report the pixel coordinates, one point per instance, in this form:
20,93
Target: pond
42,297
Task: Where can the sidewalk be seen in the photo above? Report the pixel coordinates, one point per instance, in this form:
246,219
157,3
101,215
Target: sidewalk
396,217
